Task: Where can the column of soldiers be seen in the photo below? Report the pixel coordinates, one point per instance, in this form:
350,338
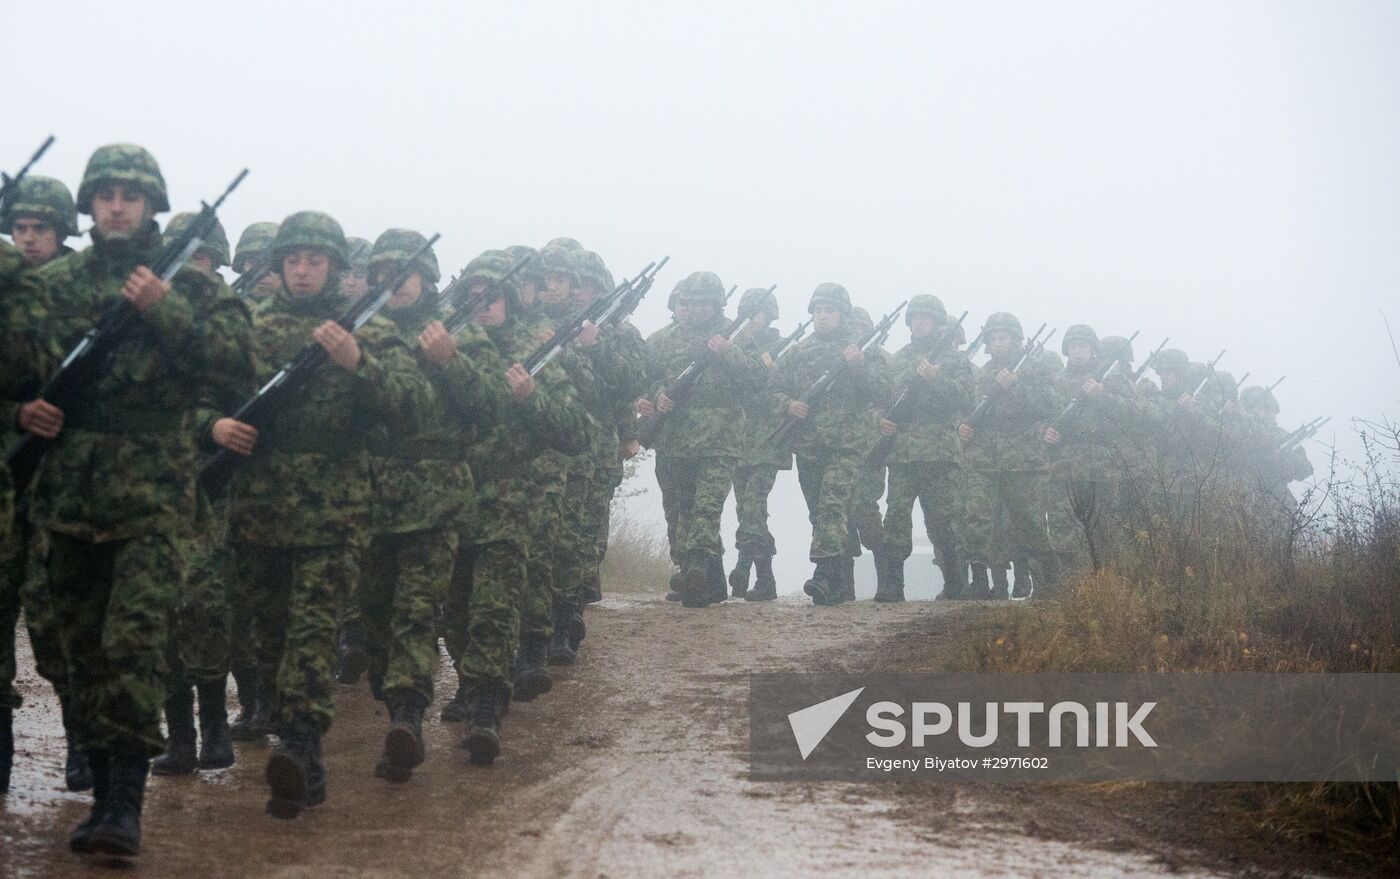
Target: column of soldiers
391,501
423,483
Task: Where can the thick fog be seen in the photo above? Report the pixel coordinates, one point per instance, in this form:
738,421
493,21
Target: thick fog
1223,173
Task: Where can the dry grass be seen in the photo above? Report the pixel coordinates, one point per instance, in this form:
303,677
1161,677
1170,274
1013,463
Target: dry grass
637,561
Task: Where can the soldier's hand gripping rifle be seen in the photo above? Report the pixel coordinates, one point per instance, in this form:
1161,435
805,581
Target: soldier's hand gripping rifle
1033,346
595,313
279,391
1137,373
1100,378
641,285
679,389
85,361
899,412
1302,434
10,185
787,342
781,437
1210,371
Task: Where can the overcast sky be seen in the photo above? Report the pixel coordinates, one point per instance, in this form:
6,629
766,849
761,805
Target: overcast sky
1223,173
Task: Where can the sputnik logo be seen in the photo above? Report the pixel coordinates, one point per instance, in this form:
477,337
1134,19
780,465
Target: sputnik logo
811,724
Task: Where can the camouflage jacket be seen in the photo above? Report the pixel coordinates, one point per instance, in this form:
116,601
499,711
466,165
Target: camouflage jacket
124,465
307,483
1096,435
937,405
759,420
625,379
1008,433
709,423
419,475
844,419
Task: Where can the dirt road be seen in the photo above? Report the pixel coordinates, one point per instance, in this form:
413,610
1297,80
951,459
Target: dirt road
636,765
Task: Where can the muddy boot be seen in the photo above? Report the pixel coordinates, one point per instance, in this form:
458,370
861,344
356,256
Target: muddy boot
403,745
118,832
739,577
455,711
674,593
825,585
765,587
77,775
7,747
531,672
179,758
889,578
714,576
290,773
483,738
1000,585
561,652
352,655
979,589
848,579
245,681
954,574
81,837
215,743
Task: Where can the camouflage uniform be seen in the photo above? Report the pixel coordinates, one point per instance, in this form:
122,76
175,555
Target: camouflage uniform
925,459
1268,470
865,525
252,244
700,440
830,441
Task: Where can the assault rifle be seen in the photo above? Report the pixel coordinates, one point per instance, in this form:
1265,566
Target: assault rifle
277,393
244,283
1137,373
464,307
87,358
1271,387
9,185
681,386
1302,434
1210,371
1100,378
1033,347
899,412
787,342
596,313
781,437
640,287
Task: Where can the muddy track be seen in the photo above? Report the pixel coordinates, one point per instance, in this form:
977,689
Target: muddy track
636,765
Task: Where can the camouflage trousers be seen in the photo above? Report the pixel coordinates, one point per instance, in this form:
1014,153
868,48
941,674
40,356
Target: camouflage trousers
538,595
600,499
113,603
575,552
404,582
296,593
935,486
693,491
828,485
24,586
753,483
1003,515
481,621
864,525
200,637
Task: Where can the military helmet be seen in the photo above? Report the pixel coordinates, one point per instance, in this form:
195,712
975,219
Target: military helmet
1171,360
45,198
959,334
759,299
830,294
1223,383
701,287
673,300
559,261
533,270
592,270
358,250
251,244
925,303
566,243
1079,333
491,266
215,243
123,163
860,320
1002,322
399,245
1051,361
1117,347
311,229
1259,397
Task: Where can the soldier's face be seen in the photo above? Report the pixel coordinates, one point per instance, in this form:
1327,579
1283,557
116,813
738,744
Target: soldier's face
557,289
1080,352
353,284
492,315
695,312
921,325
407,293
36,239
306,271
586,293
1170,380
202,262
267,285
118,210
999,343
529,292
826,318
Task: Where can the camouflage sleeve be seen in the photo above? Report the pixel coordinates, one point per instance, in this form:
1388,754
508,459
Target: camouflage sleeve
555,415
173,318
229,371
473,383
741,366
390,383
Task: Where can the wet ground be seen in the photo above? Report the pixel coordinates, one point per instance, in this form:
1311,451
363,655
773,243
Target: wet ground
636,765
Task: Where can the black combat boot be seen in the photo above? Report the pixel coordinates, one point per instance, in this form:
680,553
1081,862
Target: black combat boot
455,711
954,574
179,757
352,655
77,774
531,671
889,578
403,745
118,832
215,743
245,680
674,587
848,579
483,738
765,587
714,576
695,586
7,746
294,771
79,841
739,577
561,652
1000,585
979,589
825,585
